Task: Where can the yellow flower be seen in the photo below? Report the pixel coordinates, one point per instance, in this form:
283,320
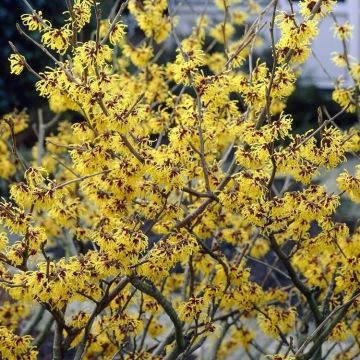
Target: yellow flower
350,184
275,319
88,55
117,33
35,176
307,8
57,39
338,59
35,21
222,33
82,12
139,56
339,332
152,19
192,309
15,346
244,336
17,119
281,357
17,63
355,71
345,97
239,17
3,241
343,32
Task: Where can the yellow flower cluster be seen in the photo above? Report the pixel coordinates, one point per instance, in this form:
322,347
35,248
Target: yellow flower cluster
10,125
274,320
151,18
178,206
14,346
